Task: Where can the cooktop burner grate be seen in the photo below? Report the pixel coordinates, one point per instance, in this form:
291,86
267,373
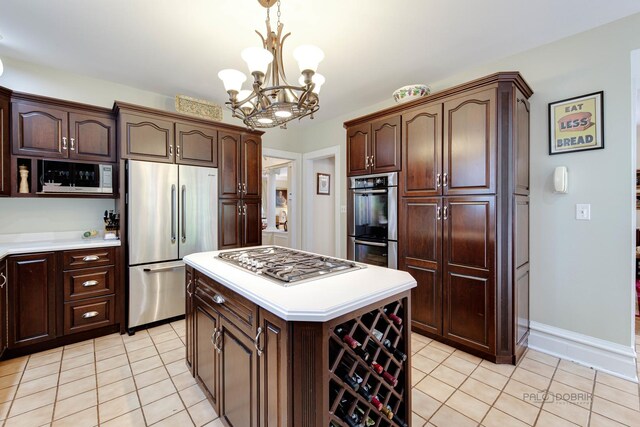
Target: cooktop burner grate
286,266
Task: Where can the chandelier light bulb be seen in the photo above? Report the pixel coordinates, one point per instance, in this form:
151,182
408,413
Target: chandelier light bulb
232,79
284,114
308,57
265,121
317,79
242,95
257,59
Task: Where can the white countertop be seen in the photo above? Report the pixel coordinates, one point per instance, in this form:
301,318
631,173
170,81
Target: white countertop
23,243
313,301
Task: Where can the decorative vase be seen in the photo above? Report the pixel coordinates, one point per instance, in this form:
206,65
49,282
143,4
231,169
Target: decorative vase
24,179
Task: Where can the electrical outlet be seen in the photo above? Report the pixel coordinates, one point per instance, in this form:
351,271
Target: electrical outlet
583,212
343,209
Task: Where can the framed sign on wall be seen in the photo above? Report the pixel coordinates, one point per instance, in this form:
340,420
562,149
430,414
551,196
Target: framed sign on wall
576,124
323,184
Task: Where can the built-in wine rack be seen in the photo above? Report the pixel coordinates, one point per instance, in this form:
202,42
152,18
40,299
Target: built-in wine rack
368,369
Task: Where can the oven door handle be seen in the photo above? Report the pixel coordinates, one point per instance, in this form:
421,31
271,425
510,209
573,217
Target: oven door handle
363,242
369,191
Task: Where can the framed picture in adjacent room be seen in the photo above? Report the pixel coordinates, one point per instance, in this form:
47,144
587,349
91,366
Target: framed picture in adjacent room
281,198
576,124
323,184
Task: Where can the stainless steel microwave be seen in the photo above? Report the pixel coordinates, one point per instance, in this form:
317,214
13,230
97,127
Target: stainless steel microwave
69,177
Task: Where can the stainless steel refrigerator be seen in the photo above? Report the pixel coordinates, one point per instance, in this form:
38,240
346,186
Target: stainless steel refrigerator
172,212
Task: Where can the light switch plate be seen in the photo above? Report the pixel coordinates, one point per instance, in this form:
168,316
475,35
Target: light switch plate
583,211
343,209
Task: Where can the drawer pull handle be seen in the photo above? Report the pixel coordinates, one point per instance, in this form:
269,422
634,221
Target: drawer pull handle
218,299
256,342
89,314
91,258
89,283
4,280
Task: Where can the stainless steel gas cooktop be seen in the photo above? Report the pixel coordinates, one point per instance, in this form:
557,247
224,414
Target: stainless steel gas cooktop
286,266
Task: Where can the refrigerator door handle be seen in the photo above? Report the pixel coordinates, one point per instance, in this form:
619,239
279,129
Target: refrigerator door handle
173,213
184,213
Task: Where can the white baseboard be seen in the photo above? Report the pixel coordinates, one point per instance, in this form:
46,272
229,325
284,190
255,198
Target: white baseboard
605,356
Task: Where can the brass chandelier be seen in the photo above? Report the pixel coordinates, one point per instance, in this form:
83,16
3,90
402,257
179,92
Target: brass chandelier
272,101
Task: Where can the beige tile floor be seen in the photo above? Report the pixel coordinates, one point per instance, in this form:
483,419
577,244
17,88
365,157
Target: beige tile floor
142,380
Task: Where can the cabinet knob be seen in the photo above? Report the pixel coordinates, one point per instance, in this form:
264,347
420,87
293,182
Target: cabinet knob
64,142
438,215
72,144
89,314
373,162
91,258
366,162
89,283
239,188
171,150
438,181
446,213
244,188
445,179
219,299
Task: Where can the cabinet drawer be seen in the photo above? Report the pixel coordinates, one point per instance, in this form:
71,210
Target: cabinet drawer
88,314
88,282
228,303
84,258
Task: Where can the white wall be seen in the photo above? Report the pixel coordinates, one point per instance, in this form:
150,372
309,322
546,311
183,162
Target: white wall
323,211
581,274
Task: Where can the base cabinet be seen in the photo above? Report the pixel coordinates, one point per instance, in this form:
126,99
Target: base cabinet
3,306
32,304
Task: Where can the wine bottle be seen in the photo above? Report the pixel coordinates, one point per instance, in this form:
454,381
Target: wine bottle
363,389
342,413
389,346
348,379
394,318
351,342
386,410
367,422
377,367
386,375
398,421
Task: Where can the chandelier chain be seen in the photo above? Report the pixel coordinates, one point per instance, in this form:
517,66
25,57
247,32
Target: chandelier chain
278,13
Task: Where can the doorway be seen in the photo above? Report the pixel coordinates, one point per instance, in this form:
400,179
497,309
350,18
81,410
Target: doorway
281,204
322,194
635,137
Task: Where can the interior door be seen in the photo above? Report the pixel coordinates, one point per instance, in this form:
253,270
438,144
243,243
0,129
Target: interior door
153,212
198,210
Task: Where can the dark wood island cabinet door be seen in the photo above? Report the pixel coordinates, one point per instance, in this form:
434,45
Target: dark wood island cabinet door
385,145
206,327
39,131
196,145
273,366
470,144
92,138
251,173
422,152
358,151
229,185
238,377
31,299
421,255
469,271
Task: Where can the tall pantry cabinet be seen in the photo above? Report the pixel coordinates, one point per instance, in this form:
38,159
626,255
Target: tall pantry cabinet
464,214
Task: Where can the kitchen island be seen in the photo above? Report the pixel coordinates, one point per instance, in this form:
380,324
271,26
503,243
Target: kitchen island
332,349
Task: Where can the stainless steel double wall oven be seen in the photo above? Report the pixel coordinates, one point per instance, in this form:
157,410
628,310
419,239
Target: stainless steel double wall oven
372,221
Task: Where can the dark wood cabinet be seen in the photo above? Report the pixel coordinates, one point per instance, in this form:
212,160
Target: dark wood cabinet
463,218
422,257
92,138
196,145
239,188
238,377
189,319
56,129
5,150
469,154
469,243
4,286
146,137
205,337
239,223
422,151
32,304
273,371
374,147
40,130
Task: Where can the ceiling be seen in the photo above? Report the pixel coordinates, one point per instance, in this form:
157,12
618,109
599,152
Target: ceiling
372,47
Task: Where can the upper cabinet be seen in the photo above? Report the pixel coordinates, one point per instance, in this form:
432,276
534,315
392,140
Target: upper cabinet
196,145
374,147
5,174
146,137
56,131
240,160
